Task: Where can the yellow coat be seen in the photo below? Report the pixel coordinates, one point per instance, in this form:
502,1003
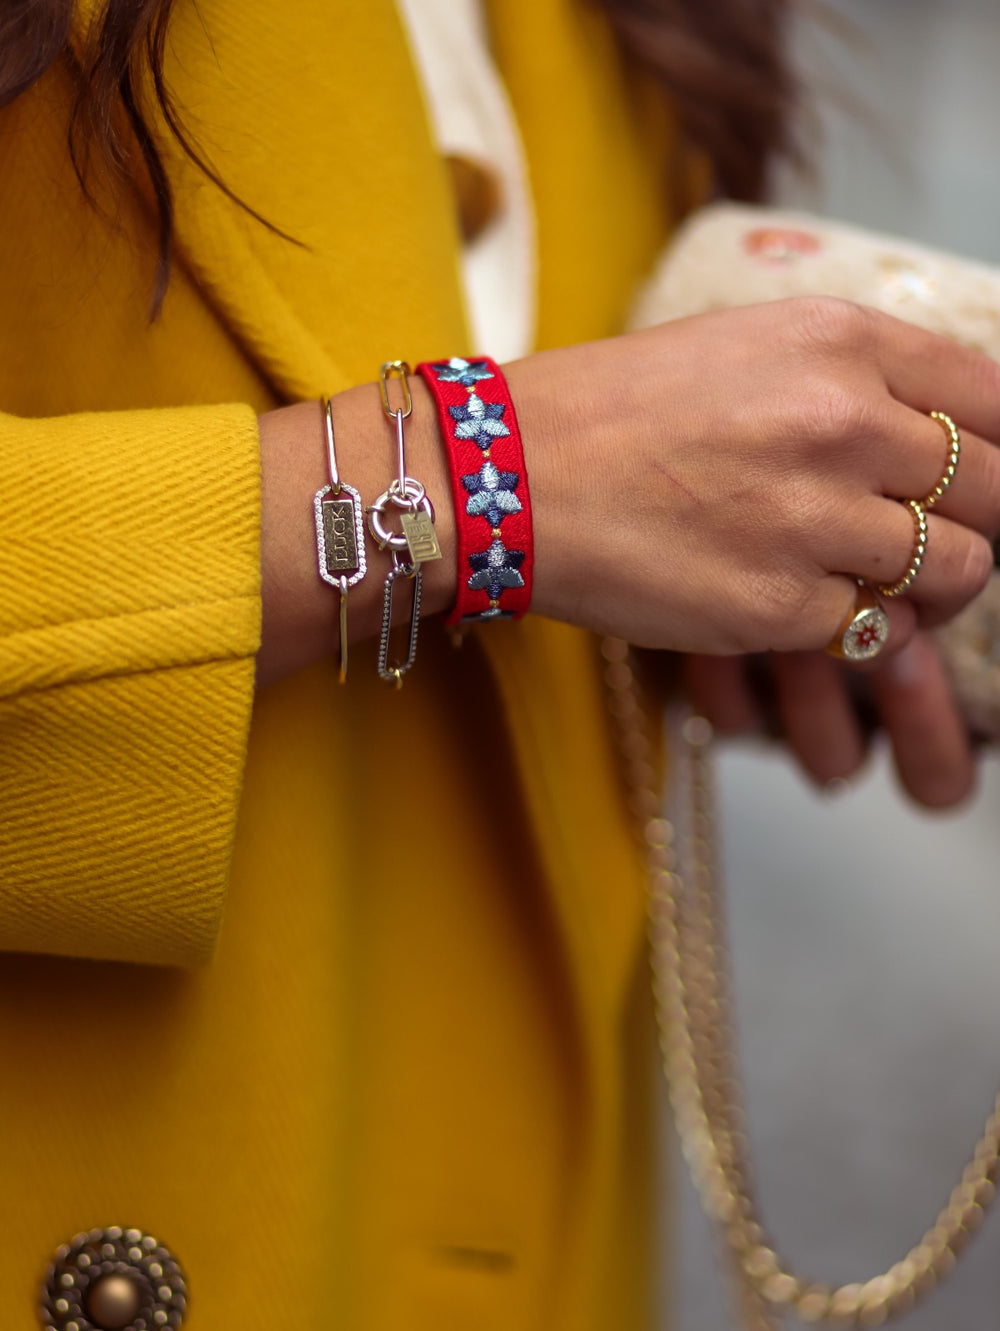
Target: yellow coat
361,1062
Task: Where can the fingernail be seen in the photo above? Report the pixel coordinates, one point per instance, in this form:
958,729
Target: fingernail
838,785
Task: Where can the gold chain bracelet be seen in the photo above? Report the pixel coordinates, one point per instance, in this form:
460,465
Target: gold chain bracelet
693,1009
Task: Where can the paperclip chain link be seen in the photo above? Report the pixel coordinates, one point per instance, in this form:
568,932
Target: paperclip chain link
417,537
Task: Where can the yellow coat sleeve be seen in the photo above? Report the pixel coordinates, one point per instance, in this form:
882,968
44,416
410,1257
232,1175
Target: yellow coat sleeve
129,619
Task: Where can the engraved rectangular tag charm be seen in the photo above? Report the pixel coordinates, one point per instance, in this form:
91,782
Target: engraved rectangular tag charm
340,536
418,528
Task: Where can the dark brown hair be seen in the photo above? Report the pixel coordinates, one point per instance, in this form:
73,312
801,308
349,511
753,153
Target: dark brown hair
723,60
726,65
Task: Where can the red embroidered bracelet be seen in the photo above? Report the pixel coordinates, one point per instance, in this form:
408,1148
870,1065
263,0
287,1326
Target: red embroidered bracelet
490,487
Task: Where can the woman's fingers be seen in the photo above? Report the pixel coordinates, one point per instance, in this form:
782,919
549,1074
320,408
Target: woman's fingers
910,453
893,444
719,689
910,456
817,715
973,497
955,568
928,372
930,744
824,720
876,540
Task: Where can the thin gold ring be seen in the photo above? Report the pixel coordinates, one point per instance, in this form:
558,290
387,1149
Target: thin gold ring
917,558
863,631
954,450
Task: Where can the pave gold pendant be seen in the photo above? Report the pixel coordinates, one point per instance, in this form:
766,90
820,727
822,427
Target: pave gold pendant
340,546
340,540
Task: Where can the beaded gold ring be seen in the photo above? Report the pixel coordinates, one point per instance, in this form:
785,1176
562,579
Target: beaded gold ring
917,557
951,466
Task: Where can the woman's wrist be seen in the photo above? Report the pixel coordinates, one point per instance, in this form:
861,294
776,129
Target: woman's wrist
571,428
300,620
489,486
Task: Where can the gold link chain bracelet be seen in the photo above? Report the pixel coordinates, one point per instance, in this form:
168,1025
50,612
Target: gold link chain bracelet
693,1008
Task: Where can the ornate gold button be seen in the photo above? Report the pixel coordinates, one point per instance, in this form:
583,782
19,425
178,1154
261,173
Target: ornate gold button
114,1302
113,1279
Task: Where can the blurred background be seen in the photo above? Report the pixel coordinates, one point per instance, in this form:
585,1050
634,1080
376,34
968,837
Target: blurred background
866,935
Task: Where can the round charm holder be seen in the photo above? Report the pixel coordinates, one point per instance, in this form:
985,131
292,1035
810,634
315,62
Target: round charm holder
113,1279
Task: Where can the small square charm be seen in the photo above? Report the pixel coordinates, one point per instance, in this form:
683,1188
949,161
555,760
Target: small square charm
418,528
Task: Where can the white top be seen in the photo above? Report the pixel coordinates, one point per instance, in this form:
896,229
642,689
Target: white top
471,117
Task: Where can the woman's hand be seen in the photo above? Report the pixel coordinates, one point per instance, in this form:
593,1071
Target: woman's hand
716,484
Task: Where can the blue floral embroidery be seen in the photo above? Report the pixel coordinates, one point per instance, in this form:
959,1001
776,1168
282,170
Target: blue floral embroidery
479,421
458,371
491,494
495,569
